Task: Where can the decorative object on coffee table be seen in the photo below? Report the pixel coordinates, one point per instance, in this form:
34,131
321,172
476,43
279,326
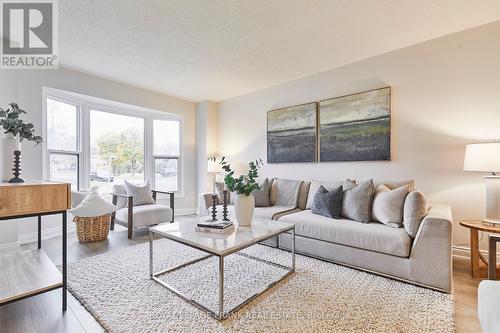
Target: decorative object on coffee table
243,186
214,208
485,157
356,127
224,206
15,130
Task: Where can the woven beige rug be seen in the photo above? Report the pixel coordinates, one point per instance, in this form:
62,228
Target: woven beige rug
319,297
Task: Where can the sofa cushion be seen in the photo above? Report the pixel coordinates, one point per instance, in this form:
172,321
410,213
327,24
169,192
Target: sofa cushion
145,215
262,196
387,206
329,185
285,192
328,203
392,184
415,209
303,192
357,202
370,236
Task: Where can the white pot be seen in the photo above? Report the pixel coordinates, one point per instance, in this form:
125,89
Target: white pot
8,144
243,206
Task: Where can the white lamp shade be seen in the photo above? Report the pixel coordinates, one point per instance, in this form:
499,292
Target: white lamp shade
214,166
482,157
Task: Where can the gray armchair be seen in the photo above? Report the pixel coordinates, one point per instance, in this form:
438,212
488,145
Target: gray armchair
133,217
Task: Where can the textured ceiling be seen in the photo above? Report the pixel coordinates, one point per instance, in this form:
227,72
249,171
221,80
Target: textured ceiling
216,49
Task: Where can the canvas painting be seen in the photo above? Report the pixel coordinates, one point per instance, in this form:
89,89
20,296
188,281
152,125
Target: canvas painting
356,127
291,134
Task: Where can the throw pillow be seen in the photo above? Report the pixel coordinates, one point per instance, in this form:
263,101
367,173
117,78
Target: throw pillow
142,193
328,203
329,185
356,202
285,192
262,196
415,209
388,205
93,205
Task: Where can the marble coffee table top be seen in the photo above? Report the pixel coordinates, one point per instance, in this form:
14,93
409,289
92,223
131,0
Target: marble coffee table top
220,244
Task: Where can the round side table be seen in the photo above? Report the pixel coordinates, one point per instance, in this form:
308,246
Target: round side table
479,265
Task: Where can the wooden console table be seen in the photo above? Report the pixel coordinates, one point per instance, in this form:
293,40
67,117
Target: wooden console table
479,265
29,273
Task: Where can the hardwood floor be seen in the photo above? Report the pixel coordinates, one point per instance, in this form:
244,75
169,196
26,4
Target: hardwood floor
42,313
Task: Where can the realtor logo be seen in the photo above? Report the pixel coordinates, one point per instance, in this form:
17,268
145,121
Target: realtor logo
29,34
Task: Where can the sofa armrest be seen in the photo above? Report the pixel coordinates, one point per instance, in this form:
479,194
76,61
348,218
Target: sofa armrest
431,253
205,202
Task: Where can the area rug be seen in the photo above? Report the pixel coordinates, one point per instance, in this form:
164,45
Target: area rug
319,297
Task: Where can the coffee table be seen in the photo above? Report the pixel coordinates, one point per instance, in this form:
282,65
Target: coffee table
219,245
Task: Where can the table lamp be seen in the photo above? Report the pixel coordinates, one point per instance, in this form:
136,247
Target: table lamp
486,157
215,168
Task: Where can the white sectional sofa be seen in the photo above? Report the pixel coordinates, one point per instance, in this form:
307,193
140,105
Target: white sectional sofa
424,259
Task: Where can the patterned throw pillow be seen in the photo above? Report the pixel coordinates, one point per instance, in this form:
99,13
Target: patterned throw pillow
142,193
357,202
328,203
262,196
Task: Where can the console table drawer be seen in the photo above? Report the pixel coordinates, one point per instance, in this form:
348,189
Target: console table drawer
30,198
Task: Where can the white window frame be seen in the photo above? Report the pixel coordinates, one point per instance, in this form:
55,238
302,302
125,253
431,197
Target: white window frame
88,103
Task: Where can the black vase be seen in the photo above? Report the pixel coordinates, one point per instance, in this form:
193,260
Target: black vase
17,168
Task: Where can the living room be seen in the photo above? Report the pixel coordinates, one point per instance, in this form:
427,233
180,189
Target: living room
365,133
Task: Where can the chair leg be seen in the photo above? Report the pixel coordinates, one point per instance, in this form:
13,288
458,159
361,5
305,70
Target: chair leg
112,225
129,232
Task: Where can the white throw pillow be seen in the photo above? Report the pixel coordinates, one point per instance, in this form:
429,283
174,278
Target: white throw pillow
388,205
142,193
93,205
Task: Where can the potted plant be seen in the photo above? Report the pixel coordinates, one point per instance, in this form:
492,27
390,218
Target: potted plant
15,130
243,186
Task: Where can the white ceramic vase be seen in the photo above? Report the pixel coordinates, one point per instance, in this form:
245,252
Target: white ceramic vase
243,206
8,144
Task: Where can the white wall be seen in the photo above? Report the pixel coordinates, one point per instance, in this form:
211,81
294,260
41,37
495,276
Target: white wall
446,93
206,143
25,88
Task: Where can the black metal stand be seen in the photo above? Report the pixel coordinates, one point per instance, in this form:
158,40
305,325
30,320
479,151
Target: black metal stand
17,168
214,208
224,207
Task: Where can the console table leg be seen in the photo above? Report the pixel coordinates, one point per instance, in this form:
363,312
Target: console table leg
492,262
39,232
64,261
221,288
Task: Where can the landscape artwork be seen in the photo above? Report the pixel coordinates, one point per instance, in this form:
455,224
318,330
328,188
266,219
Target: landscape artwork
356,127
291,134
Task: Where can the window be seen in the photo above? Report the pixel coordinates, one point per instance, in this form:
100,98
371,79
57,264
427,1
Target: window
95,143
62,141
116,150
166,154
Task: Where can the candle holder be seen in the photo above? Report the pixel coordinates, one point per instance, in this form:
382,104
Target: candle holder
224,206
214,208
17,168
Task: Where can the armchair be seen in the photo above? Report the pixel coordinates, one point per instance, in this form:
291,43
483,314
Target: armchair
133,217
488,301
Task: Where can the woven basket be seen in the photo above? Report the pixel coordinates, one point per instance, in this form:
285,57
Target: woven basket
92,229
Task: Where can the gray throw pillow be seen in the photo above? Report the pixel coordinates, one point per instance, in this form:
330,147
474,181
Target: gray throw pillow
262,196
415,209
328,203
141,193
357,202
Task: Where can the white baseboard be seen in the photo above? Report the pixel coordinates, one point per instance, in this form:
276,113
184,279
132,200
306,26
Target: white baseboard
32,237
9,247
464,252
